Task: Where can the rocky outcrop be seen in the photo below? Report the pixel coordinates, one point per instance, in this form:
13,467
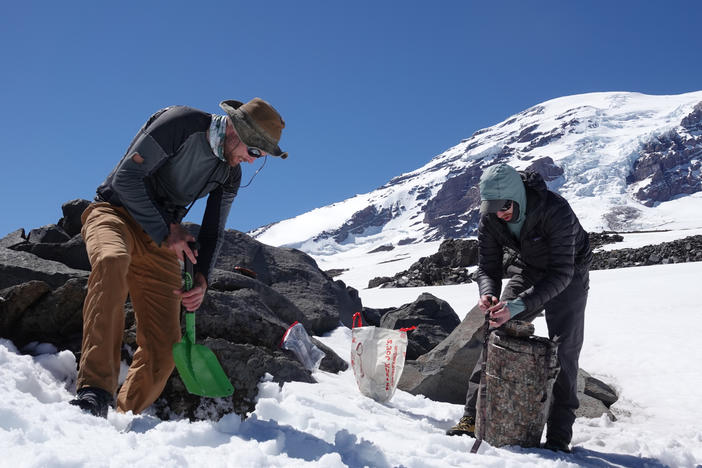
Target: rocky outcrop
453,211
242,318
684,250
447,266
362,220
669,165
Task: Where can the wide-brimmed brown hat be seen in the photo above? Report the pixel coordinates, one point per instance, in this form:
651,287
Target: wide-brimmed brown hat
257,123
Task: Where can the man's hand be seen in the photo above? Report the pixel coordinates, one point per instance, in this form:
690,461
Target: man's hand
499,314
486,301
177,241
193,299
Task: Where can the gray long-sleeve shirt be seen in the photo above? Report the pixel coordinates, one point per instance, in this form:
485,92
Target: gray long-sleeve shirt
178,167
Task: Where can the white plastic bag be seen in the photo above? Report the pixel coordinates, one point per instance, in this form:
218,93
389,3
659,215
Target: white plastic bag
377,358
298,341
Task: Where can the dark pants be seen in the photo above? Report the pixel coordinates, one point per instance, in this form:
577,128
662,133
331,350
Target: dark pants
565,318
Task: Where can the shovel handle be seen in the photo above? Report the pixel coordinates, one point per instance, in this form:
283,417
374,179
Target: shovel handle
188,281
188,276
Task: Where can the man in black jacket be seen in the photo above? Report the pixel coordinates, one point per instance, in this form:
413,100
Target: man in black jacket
551,273
134,238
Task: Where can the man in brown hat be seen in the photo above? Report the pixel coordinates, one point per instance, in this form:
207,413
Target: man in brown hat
134,238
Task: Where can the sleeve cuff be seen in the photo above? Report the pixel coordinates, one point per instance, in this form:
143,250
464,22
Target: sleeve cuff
515,307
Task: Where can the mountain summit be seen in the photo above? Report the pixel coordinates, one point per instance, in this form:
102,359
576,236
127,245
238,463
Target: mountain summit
625,161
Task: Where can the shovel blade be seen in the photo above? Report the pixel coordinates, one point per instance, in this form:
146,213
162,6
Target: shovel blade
200,370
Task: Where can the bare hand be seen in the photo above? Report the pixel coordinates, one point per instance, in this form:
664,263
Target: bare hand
486,301
499,314
178,240
192,299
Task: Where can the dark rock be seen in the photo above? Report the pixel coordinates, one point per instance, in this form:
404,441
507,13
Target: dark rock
16,300
246,365
71,253
684,250
13,239
47,316
669,164
382,248
434,318
442,373
368,217
453,211
375,282
49,234
20,267
595,397
72,212
447,266
372,316
546,167
295,275
334,272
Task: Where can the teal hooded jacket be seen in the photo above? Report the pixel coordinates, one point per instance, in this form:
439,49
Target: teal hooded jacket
503,182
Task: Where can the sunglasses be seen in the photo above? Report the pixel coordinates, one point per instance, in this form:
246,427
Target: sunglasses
255,152
506,206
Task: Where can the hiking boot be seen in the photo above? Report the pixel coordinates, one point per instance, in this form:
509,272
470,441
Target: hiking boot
556,445
93,400
466,426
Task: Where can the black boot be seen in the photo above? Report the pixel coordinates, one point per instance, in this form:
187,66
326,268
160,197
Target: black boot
556,445
93,400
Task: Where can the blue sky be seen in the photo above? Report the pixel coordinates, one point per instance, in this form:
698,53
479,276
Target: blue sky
369,89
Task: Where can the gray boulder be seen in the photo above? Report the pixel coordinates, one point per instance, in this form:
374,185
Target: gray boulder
293,274
20,267
14,238
433,317
442,373
71,253
72,211
49,234
33,312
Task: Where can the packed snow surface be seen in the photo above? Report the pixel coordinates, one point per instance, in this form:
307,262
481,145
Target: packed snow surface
642,337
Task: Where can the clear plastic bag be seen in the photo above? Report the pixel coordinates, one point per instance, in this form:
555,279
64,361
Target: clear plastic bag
298,341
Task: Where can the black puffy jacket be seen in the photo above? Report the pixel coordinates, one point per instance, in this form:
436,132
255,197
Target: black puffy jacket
552,246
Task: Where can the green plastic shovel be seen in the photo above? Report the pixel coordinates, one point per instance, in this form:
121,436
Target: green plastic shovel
197,365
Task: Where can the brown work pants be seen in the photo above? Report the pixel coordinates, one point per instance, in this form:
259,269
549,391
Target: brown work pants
124,261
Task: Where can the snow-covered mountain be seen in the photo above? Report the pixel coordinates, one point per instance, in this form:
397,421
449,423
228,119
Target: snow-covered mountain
625,161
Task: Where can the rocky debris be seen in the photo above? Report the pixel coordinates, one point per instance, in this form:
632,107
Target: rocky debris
447,266
598,239
684,250
444,267
242,319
